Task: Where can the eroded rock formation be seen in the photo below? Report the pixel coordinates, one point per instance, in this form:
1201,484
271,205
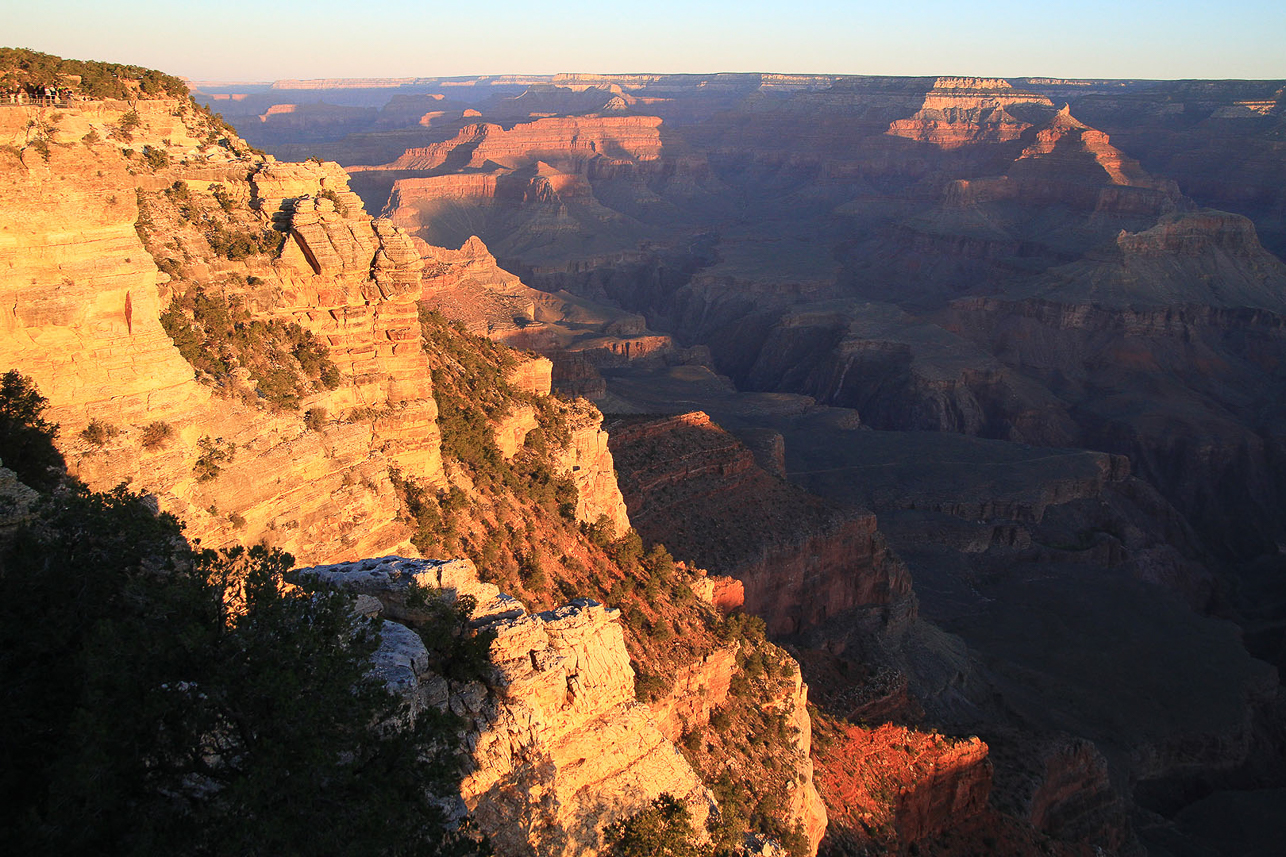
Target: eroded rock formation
558,746
696,488
85,296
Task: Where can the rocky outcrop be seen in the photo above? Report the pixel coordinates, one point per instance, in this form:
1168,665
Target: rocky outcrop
85,295
699,689
805,805
80,290
558,747
532,375
511,430
723,593
588,460
1062,787
894,788
963,111
467,285
800,560
634,137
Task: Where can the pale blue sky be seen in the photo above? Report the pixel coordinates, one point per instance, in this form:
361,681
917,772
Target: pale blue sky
272,39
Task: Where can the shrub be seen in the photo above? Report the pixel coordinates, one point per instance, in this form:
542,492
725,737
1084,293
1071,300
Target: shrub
222,197
236,245
599,533
315,419
284,360
664,829
532,572
156,159
626,550
148,681
99,432
214,454
156,434
649,688
340,207
456,650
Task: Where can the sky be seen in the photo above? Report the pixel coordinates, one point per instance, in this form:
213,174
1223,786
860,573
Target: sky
239,40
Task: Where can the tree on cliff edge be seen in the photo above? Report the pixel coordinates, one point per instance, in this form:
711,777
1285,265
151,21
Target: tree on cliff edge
26,437
161,700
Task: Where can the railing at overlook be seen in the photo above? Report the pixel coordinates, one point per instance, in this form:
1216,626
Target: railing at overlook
22,99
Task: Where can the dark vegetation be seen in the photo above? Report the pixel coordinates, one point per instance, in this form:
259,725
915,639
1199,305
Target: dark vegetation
237,245
33,71
215,452
26,437
455,651
664,829
340,207
216,334
165,700
155,434
98,432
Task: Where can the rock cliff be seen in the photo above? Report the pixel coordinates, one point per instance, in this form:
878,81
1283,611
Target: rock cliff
86,295
635,137
801,561
558,747
896,789
588,460
962,111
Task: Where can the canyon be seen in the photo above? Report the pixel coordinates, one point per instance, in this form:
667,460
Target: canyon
967,388
145,320
927,364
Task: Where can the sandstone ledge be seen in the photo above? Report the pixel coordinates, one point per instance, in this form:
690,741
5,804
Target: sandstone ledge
558,747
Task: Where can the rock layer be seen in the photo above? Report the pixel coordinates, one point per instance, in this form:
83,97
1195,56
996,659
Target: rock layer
558,746
801,561
85,297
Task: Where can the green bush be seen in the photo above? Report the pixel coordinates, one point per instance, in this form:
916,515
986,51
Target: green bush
215,334
98,432
456,650
236,245
664,829
649,688
340,207
222,197
156,159
41,146
215,452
